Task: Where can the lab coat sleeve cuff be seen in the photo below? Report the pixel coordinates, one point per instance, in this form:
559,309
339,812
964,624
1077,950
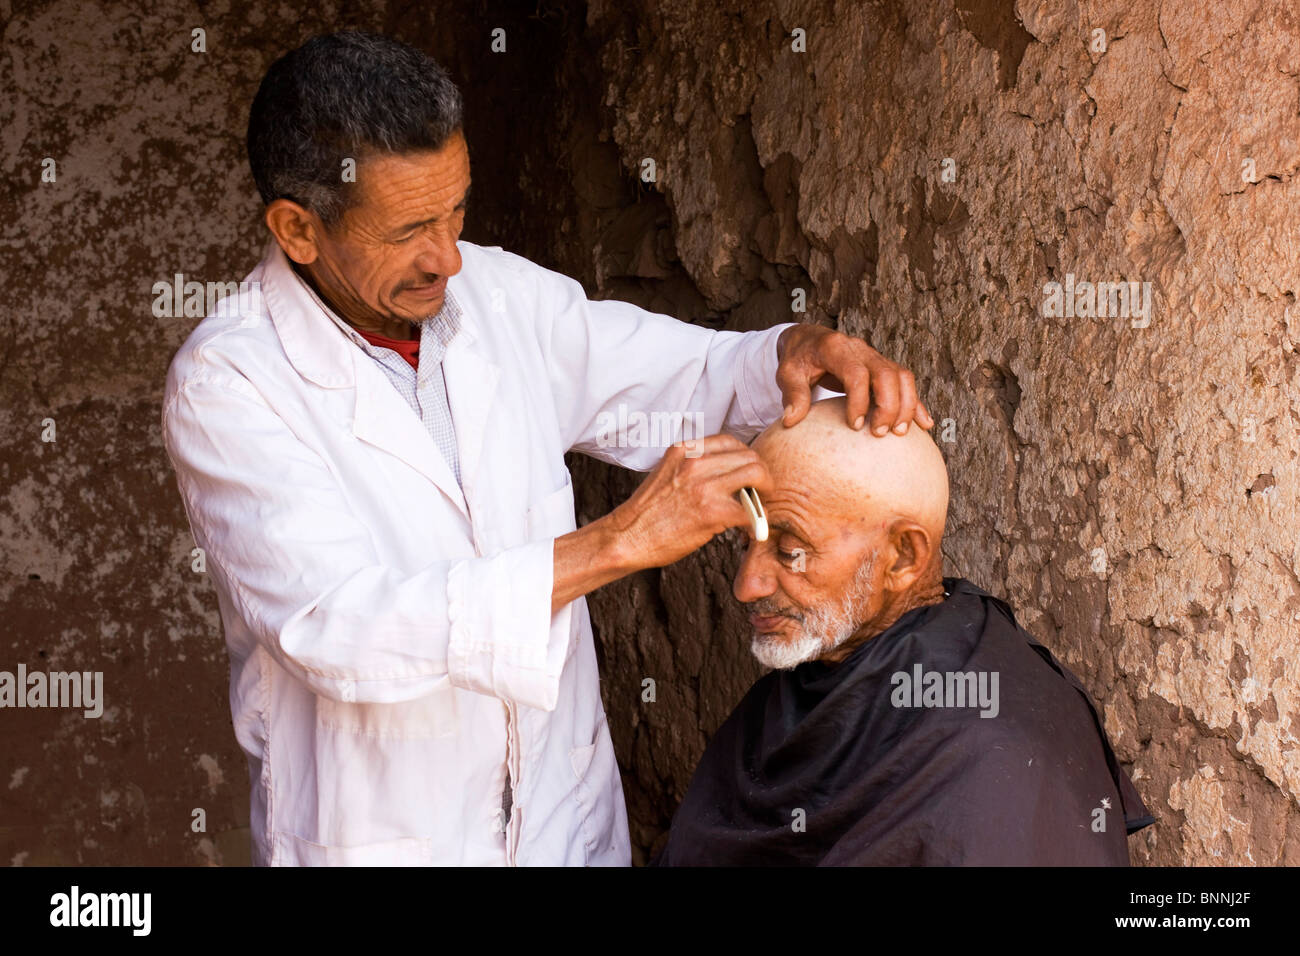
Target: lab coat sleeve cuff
504,641
757,393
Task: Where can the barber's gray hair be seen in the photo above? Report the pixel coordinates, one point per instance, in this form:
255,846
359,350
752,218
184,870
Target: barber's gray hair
344,96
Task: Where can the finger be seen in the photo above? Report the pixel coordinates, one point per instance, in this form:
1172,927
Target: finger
730,511
923,417
732,514
727,472
709,445
738,517
746,474
719,462
796,392
857,393
728,484
906,401
885,389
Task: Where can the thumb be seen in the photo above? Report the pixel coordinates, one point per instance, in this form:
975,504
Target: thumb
796,396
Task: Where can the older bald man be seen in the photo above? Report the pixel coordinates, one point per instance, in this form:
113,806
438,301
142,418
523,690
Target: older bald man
909,719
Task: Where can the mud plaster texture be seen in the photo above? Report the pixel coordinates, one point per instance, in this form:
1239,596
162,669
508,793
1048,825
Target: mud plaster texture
1129,488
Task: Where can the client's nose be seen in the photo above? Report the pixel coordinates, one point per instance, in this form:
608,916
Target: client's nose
756,576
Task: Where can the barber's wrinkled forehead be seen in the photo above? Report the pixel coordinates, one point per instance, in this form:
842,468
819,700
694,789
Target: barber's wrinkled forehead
823,460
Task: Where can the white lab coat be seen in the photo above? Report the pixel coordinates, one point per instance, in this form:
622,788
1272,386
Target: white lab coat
392,647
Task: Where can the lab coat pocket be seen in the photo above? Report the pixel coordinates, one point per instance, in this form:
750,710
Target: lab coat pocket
553,515
425,718
599,792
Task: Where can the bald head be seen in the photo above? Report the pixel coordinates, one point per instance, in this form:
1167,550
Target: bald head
856,475
856,525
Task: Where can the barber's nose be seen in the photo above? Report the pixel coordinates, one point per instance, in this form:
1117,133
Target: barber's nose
440,257
756,576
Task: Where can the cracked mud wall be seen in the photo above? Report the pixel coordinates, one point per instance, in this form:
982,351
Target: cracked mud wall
924,170
1130,490
151,179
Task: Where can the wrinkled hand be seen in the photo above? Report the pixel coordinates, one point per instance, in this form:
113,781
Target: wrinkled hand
688,498
811,355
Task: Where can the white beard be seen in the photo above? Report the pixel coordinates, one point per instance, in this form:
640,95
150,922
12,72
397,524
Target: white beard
822,629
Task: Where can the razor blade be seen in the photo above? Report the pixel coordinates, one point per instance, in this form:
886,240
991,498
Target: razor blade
757,516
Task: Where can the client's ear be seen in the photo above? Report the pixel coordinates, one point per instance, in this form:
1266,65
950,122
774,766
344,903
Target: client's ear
912,549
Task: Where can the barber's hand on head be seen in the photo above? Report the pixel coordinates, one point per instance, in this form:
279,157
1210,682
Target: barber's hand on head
689,498
811,355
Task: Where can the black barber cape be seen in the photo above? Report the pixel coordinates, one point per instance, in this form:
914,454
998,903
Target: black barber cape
817,765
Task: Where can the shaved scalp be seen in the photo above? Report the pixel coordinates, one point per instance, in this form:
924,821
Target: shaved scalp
857,476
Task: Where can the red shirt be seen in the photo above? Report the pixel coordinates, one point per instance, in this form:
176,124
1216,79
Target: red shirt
409,350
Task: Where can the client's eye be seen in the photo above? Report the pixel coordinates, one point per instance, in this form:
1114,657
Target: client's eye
793,555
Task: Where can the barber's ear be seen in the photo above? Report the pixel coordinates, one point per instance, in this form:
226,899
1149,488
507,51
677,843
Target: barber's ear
912,550
295,229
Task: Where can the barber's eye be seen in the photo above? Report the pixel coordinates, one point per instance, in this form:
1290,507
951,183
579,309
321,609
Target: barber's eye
407,238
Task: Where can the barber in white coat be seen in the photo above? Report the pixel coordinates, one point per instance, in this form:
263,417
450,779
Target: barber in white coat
391,533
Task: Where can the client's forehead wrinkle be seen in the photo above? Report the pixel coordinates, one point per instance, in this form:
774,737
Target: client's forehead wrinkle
815,490
853,476
782,518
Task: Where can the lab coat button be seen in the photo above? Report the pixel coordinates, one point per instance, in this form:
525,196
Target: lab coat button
349,692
